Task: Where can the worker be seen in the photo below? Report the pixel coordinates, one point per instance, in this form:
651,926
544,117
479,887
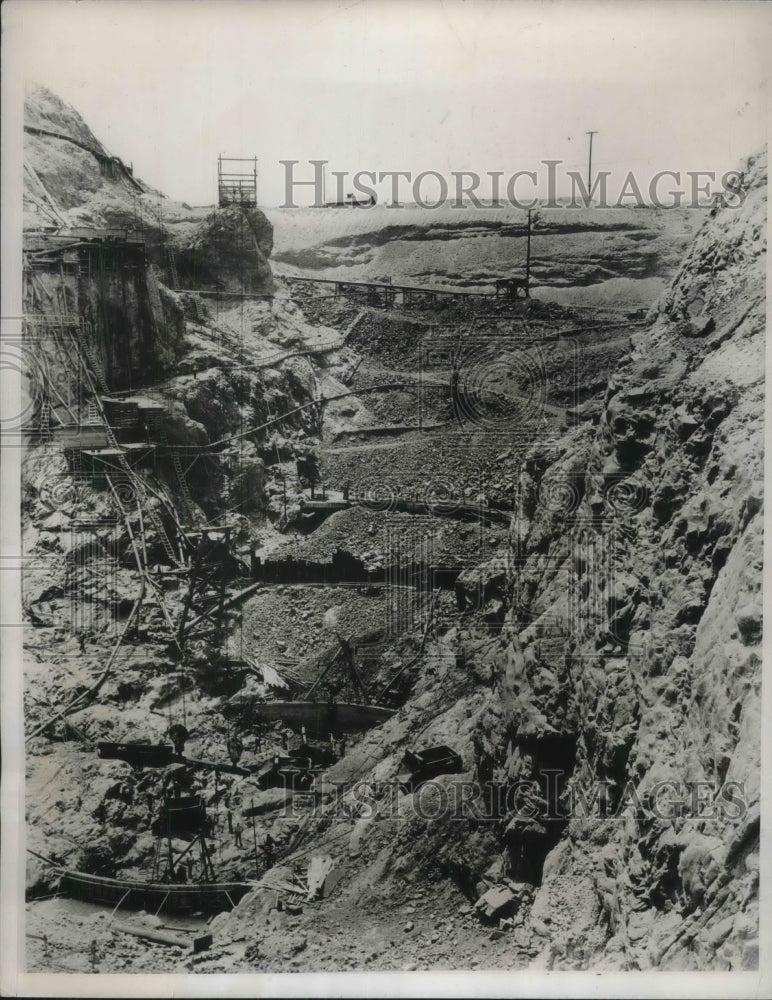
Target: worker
454,387
238,830
235,749
182,875
269,850
178,735
285,740
484,763
259,741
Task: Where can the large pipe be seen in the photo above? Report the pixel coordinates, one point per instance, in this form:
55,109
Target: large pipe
200,943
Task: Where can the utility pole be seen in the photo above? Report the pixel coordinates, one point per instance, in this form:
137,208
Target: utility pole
528,258
254,838
589,164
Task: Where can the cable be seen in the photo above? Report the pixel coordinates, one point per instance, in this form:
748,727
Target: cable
297,409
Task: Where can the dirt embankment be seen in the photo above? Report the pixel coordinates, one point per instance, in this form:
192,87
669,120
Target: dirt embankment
607,252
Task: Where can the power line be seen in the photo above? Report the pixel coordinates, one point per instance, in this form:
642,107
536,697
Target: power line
589,162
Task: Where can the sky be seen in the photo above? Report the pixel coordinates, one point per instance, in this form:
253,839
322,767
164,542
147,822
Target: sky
424,85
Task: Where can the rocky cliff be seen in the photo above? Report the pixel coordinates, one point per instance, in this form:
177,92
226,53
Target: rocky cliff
644,535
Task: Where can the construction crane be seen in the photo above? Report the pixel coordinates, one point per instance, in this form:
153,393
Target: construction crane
344,652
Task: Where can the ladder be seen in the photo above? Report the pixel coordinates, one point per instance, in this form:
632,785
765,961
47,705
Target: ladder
85,353
142,565
187,500
45,416
173,267
158,524
88,352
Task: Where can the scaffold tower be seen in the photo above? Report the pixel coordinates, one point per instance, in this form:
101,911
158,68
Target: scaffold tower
236,183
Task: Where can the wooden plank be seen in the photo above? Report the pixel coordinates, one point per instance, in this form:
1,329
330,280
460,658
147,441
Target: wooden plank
200,943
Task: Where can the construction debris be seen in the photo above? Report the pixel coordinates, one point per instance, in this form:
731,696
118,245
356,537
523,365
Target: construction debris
318,870
503,899
197,944
423,765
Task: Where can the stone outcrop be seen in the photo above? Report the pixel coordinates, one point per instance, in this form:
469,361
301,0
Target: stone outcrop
640,537
228,252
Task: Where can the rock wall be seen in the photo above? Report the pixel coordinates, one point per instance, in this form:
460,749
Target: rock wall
228,252
136,330
640,538
133,326
70,173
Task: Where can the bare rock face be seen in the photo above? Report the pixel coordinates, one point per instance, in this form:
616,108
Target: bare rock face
73,179
44,110
228,252
643,535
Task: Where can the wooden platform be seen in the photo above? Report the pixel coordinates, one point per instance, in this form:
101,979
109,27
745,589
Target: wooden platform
163,897
320,718
80,436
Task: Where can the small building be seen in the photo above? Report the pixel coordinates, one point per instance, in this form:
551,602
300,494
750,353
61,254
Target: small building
512,288
423,765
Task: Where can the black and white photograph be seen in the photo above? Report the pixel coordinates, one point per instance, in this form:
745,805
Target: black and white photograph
383,435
